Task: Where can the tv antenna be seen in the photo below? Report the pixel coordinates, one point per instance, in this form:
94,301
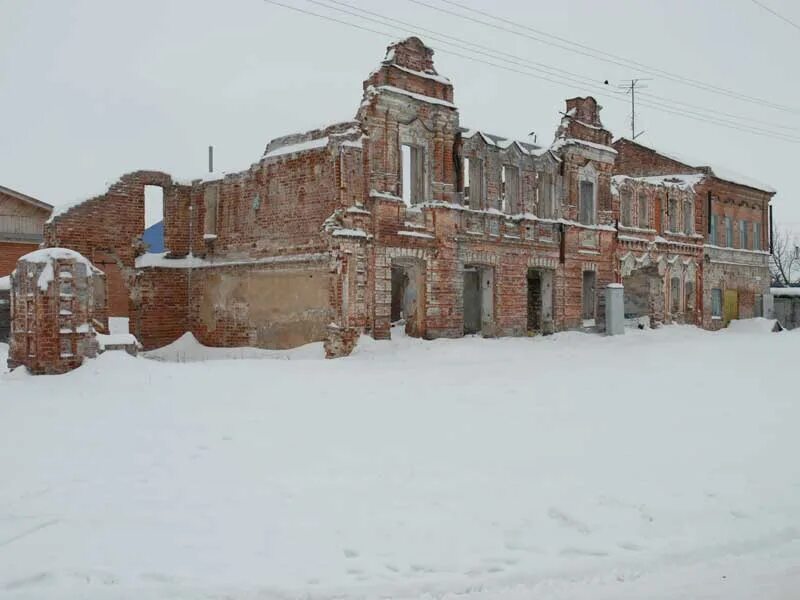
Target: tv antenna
630,87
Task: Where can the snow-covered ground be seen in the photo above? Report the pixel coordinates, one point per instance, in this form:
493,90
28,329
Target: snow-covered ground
659,464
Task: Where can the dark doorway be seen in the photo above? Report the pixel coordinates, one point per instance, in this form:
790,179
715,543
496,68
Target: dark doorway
589,279
472,300
534,300
399,286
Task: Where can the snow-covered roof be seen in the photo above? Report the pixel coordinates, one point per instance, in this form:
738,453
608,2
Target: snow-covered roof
716,170
501,142
793,292
561,142
682,181
421,97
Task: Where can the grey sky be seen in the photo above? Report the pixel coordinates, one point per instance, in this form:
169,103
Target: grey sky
91,89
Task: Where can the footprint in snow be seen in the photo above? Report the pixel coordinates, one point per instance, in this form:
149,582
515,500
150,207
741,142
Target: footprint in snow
567,521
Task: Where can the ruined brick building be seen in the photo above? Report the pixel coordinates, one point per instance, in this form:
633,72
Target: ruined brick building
403,213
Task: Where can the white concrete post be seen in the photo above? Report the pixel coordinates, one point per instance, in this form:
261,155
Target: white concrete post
615,309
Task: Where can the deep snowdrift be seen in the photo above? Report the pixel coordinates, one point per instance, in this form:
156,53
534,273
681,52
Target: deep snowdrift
655,465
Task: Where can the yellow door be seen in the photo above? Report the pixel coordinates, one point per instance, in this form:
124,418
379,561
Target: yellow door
731,310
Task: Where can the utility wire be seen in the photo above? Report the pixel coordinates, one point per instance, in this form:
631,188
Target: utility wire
780,16
575,47
496,54
579,86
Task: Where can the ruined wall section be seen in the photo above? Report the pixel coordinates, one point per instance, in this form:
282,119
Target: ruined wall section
589,245
531,166
278,304
406,102
108,228
582,122
160,307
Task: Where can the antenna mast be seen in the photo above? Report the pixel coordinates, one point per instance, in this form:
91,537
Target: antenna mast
630,87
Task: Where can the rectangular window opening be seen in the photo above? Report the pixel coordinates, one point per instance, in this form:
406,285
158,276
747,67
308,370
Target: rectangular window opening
412,174
713,234
587,212
626,199
510,188
406,170
728,232
153,234
688,218
474,174
644,223
465,175
673,215
716,303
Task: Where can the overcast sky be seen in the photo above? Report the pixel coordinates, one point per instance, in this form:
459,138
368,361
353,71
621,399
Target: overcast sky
91,89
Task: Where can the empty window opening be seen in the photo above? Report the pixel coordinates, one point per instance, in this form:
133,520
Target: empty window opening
589,278
465,175
688,218
713,233
587,209
716,303
413,174
675,295
756,236
644,222
405,152
689,299
673,215
546,194
729,232
743,241
211,206
153,235
510,189
474,183
626,199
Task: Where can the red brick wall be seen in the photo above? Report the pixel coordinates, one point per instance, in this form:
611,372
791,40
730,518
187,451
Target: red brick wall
10,252
107,230
160,308
637,160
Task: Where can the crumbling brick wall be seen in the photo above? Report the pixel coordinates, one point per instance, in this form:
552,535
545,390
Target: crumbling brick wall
57,304
107,229
160,306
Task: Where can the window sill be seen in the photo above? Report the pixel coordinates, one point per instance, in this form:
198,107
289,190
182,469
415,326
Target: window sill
713,318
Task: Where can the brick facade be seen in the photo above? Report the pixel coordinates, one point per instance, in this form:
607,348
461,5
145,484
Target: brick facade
403,213
730,224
